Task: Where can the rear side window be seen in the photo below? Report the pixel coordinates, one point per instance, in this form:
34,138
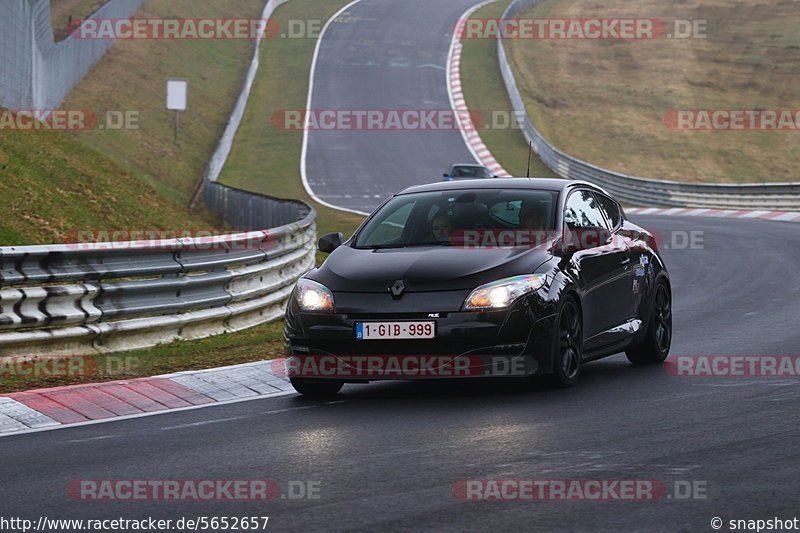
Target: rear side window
610,209
583,211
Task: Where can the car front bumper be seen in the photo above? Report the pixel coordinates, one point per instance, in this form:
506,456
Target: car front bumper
507,343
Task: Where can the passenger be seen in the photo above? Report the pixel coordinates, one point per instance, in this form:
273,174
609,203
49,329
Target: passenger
441,226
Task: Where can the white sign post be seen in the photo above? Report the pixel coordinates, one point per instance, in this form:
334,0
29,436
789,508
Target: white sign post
177,101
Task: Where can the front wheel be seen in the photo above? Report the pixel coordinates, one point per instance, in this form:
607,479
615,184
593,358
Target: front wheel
316,389
654,348
568,344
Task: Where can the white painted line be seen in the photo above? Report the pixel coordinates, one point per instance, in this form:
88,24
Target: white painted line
10,425
13,413
754,214
304,152
143,415
787,216
717,213
23,414
204,386
458,104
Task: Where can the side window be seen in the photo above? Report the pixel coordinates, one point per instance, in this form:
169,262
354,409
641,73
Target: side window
582,211
610,209
391,229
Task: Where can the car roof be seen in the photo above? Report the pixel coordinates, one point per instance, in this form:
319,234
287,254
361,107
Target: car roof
546,184
467,165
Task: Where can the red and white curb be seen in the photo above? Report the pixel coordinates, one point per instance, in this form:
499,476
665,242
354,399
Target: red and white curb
44,409
781,216
465,123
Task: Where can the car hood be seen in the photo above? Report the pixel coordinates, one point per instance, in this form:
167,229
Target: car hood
435,268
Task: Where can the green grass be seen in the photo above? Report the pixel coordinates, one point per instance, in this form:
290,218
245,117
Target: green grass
605,101
259,343
132,77
484,90
266,159
55,185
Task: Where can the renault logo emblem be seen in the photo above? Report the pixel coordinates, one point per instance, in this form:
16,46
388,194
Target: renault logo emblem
397,288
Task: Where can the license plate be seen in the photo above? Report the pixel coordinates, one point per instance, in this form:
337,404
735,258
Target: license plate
395,330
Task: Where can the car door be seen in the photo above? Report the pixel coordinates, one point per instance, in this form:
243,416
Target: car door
624,285
603,266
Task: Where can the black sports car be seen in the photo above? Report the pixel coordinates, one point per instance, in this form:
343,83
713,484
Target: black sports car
505,277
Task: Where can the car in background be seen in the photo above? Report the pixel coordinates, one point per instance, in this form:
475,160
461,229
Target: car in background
468,172
502,277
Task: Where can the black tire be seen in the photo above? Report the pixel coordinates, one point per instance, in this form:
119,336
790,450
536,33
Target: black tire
654,348
568,344
316,389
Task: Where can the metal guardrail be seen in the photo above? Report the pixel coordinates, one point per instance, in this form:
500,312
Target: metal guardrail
103,297
636,190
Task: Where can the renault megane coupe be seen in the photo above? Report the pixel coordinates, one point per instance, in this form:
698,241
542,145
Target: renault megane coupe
476,278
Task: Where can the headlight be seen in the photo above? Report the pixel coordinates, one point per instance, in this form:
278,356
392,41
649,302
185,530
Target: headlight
501,294
313,296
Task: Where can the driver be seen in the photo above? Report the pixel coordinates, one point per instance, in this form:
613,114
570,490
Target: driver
532,216
441,226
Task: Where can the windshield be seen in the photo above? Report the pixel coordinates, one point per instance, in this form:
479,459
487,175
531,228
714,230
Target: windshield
444,218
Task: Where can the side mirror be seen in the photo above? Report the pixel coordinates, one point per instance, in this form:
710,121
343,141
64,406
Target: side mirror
328,243
567,244
583,239
445,175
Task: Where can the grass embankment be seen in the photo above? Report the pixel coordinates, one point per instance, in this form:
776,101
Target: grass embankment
604,101
53,185
263,161
484,90
132,77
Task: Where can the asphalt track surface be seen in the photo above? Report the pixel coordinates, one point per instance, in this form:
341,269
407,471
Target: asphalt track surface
383,55
387,455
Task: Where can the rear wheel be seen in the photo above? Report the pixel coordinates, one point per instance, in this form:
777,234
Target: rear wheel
568,344
654,348
316,389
